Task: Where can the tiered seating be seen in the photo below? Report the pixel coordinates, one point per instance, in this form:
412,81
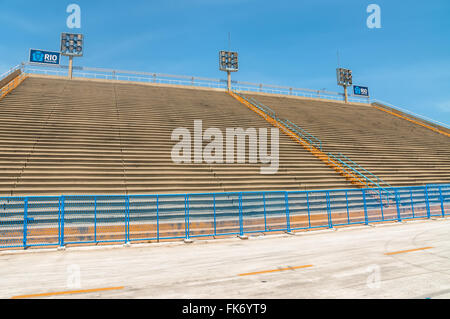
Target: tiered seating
400,152
91,137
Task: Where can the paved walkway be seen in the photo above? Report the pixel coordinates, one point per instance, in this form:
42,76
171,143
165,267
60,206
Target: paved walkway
409,260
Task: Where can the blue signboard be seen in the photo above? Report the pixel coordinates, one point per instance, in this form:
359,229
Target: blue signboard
361,90
46,57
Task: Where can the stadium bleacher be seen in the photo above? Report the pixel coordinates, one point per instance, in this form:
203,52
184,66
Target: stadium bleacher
398,151
61,137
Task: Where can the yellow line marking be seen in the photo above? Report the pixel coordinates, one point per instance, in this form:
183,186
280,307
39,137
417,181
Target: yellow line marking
413,121
66,292
407,251
274,270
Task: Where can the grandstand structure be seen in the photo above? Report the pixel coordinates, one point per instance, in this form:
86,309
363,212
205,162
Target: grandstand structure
109,133
90,136
397,151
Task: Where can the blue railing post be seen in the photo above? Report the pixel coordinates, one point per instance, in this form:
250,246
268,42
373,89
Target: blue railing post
366,217
186,216
61,221
127,219
95,219
348,210
241,219
288,218
381,205
399,217
215,221
330,221
157,218
25,221
412,202
309,212
265,213
441,197
427,201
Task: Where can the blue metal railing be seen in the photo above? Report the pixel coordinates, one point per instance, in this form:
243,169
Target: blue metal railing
380,183
265,107
368,182
146,77
293,127
304,134
42,221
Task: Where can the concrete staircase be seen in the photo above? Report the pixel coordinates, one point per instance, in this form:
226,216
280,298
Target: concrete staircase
60,137
400,152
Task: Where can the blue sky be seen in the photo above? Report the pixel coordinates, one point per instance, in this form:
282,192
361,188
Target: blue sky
294,43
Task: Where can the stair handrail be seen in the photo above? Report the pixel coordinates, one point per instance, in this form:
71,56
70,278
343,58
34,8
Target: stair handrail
374,184
12,85
293,128
263,105
267,111
365,180
298,130
10,71
379,180
307,133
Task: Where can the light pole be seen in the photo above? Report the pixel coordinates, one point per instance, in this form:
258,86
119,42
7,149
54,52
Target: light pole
345,79
72,46
228,62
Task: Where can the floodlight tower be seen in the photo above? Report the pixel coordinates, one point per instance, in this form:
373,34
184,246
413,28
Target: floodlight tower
228,61
72,46
345,79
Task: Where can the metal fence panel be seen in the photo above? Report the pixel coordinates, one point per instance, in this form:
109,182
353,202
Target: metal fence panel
418,202
79,219
13,222
434,200
445,191
254,212
44,221
318,209
299,211
276,211
202,215
227,214
143,218
173,211
356,206
339,210
111,225
404,203
375,201
52,220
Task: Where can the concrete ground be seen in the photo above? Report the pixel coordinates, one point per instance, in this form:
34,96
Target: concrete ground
409,260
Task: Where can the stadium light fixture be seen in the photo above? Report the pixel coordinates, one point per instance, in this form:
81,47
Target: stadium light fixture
228,62
345,79
72,45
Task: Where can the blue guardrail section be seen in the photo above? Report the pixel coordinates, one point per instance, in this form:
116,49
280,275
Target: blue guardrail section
44,221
